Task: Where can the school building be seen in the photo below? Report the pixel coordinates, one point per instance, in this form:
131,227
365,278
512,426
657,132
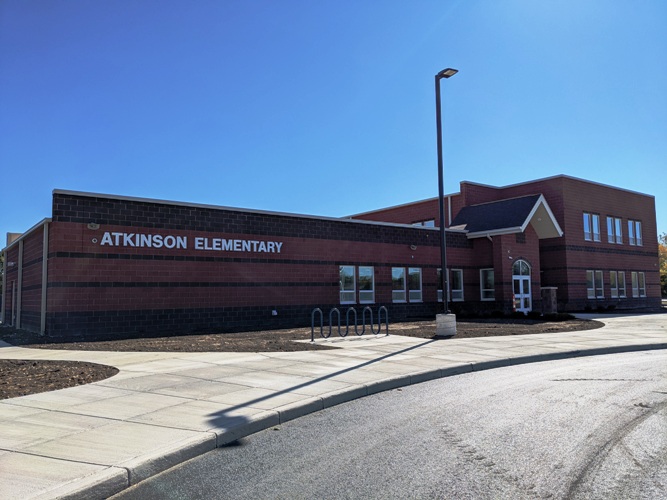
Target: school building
116,265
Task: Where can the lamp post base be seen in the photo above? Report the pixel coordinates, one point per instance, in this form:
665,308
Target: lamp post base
445,325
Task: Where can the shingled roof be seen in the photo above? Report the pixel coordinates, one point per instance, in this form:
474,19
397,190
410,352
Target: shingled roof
508,216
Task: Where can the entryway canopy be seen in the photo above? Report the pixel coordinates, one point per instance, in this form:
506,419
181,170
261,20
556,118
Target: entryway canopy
507,217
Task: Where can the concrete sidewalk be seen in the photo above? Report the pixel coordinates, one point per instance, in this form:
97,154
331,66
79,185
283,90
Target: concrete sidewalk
163,408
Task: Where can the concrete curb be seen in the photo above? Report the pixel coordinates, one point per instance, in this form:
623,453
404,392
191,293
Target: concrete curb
90,476
141,471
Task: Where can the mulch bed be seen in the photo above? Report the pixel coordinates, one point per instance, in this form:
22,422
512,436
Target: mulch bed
23,377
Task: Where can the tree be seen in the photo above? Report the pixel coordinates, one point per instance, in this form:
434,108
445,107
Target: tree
662,252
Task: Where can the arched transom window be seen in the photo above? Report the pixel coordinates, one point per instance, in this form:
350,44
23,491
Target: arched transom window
521,268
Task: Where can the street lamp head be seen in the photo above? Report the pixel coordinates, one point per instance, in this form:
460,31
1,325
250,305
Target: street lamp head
446,73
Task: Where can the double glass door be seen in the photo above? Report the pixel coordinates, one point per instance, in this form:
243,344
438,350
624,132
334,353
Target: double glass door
521,283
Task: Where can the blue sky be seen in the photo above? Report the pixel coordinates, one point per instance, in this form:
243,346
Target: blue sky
325,107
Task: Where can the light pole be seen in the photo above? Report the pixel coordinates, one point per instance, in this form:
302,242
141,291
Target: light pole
445,73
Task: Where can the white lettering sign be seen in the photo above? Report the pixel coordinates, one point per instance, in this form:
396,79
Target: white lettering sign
140,240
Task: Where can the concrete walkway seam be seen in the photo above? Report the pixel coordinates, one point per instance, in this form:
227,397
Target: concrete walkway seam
118,478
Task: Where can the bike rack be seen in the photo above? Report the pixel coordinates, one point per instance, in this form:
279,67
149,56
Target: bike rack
334,310
347,321
352,310
312,323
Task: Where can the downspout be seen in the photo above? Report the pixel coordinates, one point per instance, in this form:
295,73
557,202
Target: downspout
45,257
20,286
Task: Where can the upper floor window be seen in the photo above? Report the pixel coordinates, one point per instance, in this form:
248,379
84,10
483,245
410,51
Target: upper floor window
591,227
614,230
635,232
425,223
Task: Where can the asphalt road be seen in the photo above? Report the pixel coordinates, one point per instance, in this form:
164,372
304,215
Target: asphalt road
592,427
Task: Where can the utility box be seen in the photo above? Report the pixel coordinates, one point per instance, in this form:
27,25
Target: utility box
549,300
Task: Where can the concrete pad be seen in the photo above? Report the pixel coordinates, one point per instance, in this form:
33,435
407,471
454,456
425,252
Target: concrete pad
200,389
204,416
30,476
268,380
144,381
127,407
315,370
264,399
165,365
9,411
213,371
31,430
65,398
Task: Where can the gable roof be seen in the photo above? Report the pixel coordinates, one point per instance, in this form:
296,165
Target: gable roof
508,216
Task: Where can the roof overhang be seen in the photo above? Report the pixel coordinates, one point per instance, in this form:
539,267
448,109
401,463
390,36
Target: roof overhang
541,218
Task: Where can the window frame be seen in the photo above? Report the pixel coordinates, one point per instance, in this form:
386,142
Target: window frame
394,290
370,291
613,284
342,290
635,233
491,291
424,223
638,284
621,285
595,278
417,293
614,230
456,294
591,224
451,293
617,284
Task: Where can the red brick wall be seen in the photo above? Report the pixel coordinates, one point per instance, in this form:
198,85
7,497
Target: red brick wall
30,291
109,289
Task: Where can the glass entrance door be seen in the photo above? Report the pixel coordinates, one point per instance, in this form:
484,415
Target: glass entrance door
521,283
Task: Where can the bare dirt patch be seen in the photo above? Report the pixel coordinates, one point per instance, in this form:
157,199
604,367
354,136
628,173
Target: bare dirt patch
23,377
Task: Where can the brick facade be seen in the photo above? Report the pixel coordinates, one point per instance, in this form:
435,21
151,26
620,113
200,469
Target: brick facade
120,266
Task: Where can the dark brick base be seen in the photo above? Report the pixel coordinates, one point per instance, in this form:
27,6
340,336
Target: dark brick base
125,324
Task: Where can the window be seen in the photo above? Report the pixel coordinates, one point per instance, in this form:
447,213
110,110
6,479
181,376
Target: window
455,285
415,284
591,227
366,285
621,284
638,284
613,284
425,223
487,284
398,284
617,284
635,232
614,230
594,285
347,281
